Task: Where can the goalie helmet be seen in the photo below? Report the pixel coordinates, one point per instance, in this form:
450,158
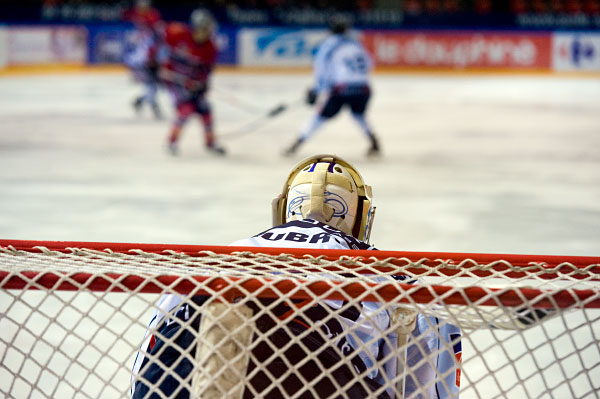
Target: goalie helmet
330,190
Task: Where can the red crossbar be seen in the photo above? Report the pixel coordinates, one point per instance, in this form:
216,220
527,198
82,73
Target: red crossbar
550,266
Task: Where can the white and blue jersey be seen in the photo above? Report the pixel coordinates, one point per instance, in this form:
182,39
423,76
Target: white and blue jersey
341,61
433,349
140,48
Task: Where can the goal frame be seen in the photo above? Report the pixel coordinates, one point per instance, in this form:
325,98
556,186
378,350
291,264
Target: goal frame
514,266
503,291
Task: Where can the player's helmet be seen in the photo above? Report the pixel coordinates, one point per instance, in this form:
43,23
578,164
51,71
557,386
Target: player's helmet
338,23
328,189
202,19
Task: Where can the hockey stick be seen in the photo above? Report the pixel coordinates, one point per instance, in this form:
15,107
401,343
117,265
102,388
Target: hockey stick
256,123
235,101
177,78
231,99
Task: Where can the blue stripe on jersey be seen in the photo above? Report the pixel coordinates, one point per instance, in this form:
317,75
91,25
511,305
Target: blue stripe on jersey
457,347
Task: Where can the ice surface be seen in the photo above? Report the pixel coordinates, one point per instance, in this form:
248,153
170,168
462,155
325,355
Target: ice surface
470,163
505,164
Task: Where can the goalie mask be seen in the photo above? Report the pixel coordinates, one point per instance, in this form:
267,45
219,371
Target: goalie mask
330,190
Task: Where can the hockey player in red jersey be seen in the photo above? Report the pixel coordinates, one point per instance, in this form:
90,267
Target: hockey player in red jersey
142,52
191,56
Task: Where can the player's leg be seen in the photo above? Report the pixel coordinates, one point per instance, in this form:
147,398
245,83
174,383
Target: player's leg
137,103
433,359
149,97
170,360
358,105
151,86
360,119
203,108
311,127
184,110
332,106
138,76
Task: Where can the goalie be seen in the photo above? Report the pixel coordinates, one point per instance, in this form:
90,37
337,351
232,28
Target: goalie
324,204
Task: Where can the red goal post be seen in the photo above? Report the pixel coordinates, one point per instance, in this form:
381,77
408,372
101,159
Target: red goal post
419,264
500,301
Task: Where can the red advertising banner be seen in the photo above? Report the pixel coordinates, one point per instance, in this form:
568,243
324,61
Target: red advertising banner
460,49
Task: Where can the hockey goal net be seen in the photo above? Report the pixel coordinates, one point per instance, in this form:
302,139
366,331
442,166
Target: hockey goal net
73,316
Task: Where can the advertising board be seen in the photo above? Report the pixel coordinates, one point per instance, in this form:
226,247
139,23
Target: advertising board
295,47
460,49
3,46
278,46
46,45
576,51
226,39
109,43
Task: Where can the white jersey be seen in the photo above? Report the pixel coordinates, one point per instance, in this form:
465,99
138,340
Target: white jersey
373,318
341,61
305,233
139,46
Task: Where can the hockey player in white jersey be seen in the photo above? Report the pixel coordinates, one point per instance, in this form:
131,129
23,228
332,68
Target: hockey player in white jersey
324,204
142,49
341,71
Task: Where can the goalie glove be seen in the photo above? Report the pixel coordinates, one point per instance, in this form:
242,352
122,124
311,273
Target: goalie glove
311,97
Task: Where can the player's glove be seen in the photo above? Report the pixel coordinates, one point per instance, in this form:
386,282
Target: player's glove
152,69
196,86
311,97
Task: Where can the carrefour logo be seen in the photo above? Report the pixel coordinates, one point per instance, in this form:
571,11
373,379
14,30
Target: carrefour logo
578,51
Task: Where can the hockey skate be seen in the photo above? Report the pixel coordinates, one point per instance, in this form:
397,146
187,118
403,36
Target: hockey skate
172,148
137,104
293,148
157,112
216,149
373,151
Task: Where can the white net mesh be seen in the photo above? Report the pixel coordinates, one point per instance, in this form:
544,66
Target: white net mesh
294,323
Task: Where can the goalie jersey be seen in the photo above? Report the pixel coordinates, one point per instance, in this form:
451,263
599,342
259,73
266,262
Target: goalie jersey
432,356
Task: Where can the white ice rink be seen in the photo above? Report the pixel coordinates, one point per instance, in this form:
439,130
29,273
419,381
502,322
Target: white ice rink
470,163
495,164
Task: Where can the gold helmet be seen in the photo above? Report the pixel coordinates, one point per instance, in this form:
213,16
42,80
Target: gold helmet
330,190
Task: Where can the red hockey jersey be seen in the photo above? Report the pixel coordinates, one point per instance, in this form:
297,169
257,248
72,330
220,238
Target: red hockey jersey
187,58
